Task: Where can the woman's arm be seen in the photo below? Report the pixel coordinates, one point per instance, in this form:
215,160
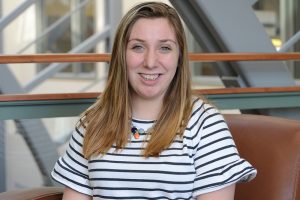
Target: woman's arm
226,193
70,194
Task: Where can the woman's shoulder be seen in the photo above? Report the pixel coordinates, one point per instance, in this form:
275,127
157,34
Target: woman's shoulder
202,106
203,112
78,134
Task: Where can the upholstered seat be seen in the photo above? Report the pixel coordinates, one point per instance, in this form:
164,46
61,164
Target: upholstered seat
270,144
38,193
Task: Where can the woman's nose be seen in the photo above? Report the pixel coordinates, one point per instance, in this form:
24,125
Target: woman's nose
150,59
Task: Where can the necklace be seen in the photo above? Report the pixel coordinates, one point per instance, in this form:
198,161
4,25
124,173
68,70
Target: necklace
136,132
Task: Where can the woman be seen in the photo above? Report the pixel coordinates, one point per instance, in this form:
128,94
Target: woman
147,137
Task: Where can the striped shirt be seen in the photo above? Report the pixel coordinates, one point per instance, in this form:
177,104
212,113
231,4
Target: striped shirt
205,159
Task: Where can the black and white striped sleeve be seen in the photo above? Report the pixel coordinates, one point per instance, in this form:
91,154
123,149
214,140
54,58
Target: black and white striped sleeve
71,169
216,158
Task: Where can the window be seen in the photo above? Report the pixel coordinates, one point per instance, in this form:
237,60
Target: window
67,23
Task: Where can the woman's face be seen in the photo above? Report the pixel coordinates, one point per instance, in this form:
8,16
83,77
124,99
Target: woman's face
152,55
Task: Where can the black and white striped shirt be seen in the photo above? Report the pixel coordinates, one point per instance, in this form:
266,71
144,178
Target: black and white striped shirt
205,159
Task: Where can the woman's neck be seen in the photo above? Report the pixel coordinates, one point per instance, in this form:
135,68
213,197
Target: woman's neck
146,109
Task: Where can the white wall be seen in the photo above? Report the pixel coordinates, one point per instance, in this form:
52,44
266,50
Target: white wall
17,34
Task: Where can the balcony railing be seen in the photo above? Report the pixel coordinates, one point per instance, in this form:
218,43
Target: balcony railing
60,105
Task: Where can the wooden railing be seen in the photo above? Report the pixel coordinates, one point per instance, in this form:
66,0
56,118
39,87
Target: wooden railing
94,57
72,104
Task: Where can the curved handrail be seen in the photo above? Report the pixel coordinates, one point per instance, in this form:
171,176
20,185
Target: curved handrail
105,57
22,106
94,95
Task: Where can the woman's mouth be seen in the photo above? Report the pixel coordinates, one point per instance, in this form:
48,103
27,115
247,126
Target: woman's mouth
150,77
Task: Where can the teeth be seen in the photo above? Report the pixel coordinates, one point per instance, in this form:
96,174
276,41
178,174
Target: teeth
150,76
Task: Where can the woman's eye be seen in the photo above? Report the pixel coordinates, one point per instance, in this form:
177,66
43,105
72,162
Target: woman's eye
165,49
137,48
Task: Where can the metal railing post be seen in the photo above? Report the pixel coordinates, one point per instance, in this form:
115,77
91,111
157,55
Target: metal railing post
290,43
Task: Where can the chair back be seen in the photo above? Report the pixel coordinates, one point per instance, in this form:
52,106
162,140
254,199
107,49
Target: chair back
272,146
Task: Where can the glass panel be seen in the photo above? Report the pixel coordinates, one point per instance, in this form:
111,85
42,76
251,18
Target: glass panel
68,34
281,21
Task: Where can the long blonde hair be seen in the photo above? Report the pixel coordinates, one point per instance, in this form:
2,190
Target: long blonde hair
107,122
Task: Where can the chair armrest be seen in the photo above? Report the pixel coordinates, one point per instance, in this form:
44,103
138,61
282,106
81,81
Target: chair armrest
39,193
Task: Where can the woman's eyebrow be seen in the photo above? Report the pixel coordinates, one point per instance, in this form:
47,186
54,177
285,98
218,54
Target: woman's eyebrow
168,40
136,39
144,41
162,40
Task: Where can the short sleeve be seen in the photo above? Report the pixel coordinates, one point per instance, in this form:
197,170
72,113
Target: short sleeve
71,169
216,159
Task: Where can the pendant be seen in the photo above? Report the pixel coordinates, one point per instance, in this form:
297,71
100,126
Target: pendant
135,132
136,135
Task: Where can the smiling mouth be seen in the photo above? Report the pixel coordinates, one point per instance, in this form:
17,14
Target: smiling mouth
150,77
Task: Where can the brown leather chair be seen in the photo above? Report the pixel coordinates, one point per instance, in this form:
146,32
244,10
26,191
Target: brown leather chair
38,193
270,144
